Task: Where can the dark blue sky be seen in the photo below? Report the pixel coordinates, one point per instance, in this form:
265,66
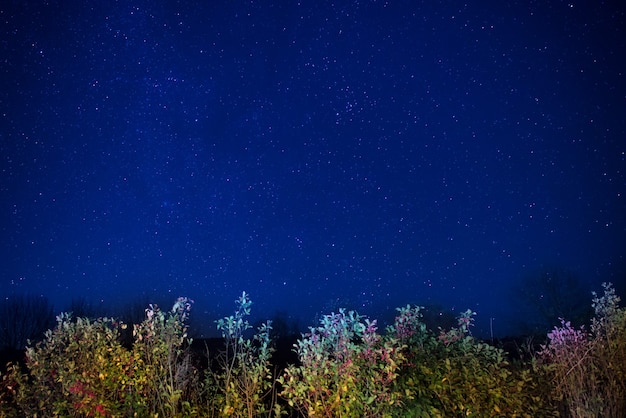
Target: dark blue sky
379,153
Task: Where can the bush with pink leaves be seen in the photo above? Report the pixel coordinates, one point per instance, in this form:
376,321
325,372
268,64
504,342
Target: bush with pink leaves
589,368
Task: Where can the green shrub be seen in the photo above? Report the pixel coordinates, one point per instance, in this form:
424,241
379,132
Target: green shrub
244,382
167,379
80,369
453,374
346,369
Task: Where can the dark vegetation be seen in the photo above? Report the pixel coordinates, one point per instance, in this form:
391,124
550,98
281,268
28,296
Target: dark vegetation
425,364
549,294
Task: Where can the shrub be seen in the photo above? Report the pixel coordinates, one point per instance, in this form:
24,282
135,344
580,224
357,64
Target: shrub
609,331
78,370
244,380
589,368
347,369
161,346
81,369
453,374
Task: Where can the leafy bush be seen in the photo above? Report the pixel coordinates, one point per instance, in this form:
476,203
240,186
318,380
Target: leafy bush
78,370
81,369
589,368
453,374
245,379
161,346
347,369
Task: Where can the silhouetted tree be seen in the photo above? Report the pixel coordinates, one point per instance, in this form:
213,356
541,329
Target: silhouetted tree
550,294
134,312
80,307
283,325
24,318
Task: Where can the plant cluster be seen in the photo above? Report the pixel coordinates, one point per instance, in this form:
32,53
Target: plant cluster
161,346
453,374
82,369
588,368
345,368
244,379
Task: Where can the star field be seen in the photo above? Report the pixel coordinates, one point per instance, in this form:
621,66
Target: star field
366,153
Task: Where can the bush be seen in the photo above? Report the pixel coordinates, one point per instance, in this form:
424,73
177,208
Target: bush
81,369
347,369
78,370
453,374
588,368
244,381
168,380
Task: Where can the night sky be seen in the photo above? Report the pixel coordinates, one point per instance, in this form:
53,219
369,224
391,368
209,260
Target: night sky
367,154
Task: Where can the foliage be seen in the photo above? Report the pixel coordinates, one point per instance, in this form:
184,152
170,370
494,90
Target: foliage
245,380
78,370
589,368
81,369
408,326
453,374
161,346
347,369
